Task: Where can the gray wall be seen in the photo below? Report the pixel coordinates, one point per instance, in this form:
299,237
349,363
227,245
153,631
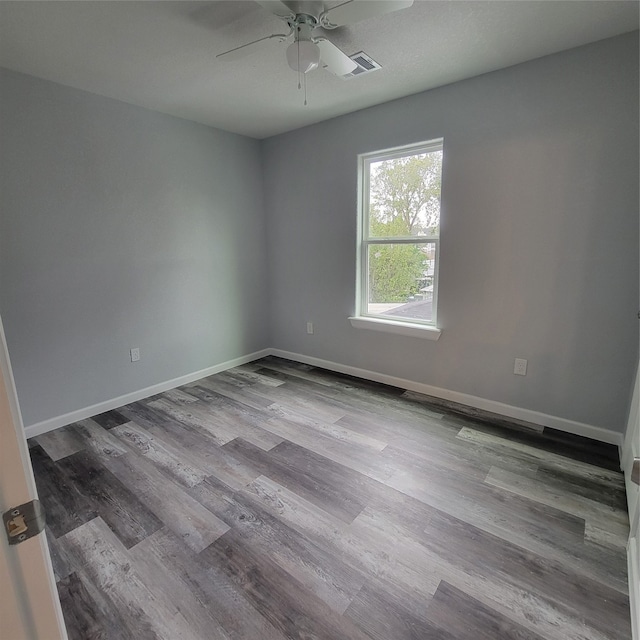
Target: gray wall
539,241
121,227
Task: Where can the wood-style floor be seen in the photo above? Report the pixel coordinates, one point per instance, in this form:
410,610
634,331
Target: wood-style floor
277,500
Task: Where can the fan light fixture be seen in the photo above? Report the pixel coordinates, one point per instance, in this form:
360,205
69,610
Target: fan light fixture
303,56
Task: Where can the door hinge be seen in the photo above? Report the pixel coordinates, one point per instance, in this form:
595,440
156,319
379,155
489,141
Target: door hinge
24,522
635,471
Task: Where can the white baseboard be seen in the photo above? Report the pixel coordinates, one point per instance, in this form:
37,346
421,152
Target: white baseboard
87,412
535,417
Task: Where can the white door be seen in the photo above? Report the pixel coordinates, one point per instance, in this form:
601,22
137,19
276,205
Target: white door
630,452
29,605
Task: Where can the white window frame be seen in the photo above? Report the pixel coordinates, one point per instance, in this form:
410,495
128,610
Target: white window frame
363,319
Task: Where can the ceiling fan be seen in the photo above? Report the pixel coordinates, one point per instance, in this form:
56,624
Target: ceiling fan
307,51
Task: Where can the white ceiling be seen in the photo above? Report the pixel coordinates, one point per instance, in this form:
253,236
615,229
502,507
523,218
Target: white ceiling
162,55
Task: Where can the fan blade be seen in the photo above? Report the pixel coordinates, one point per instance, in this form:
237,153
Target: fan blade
334,59
278,8
357,10
250,48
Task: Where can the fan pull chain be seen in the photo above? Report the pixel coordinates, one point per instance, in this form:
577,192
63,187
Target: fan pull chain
304,74
299,87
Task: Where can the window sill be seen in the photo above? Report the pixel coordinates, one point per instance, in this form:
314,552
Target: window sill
400,328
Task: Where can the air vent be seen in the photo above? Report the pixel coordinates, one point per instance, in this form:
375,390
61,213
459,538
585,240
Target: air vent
365,65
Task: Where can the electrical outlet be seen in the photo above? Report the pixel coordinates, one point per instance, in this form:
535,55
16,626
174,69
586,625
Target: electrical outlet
520,367
309,328
135,354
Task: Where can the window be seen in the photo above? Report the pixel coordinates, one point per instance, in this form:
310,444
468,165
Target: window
399,236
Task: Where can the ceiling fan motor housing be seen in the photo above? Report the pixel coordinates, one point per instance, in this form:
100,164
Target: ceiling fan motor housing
303,24
303,54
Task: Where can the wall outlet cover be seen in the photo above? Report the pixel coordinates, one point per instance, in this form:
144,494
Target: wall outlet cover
520,367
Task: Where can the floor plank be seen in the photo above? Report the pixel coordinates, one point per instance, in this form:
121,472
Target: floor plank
88,614
177,510
110,419
118,507
145,610
66,507
315,483
383,615
60,443
457,612
290,606
331,580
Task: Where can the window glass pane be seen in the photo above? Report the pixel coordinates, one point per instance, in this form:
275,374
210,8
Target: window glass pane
401,280
404,196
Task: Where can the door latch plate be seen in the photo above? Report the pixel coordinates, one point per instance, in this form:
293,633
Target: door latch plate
24,522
